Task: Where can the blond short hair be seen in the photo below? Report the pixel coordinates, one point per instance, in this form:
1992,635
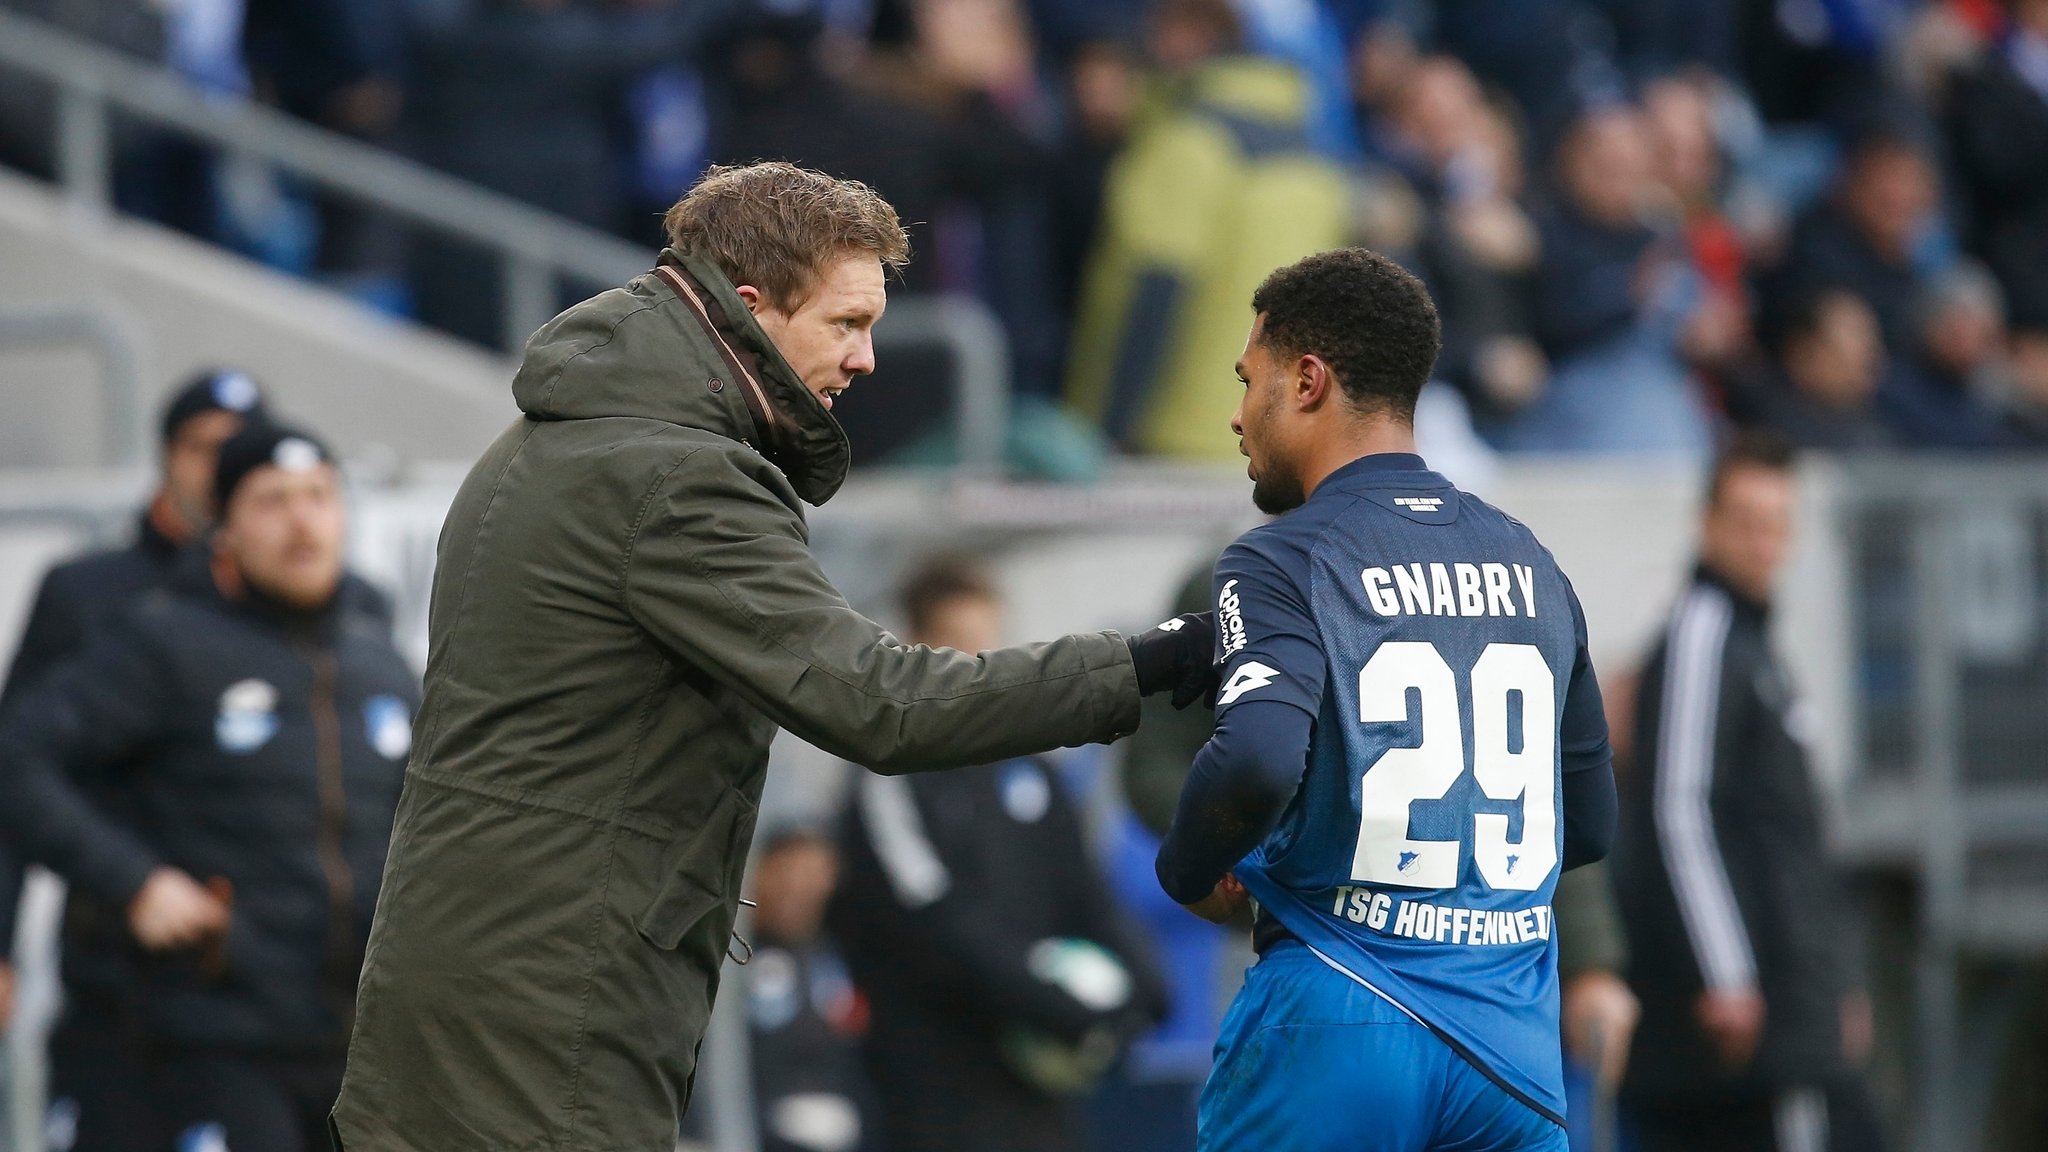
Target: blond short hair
775,226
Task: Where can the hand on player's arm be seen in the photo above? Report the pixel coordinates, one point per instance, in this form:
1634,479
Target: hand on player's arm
1733,1019
1178,656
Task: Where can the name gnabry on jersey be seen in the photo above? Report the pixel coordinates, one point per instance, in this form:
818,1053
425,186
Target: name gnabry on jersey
1442,923
1438,589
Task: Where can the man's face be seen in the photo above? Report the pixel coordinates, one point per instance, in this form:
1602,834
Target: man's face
829,338
1839,363
1261,425
791,887
1890,194
189,459
283,531
1748,527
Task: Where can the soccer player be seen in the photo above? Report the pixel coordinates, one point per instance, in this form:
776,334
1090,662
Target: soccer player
1409,749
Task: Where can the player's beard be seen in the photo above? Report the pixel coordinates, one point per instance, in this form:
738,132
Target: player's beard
1275,491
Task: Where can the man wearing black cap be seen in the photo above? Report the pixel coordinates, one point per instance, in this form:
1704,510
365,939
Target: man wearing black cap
254,717
78,597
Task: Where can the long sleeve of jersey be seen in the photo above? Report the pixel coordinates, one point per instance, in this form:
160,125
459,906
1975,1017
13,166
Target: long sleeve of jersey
1587,761
1272,689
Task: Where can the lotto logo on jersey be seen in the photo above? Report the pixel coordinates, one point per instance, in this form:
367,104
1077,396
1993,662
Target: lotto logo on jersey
1250,676
1229,619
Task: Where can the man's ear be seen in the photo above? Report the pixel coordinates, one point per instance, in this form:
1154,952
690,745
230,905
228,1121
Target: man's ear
1313,382
752,298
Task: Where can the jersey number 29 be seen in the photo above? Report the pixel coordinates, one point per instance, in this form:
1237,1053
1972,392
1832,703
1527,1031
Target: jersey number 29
1402,776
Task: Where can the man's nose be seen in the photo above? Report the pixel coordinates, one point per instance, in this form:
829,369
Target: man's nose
862,360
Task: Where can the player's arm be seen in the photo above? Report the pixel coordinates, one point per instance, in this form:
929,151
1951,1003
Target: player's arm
1245,776
1590,807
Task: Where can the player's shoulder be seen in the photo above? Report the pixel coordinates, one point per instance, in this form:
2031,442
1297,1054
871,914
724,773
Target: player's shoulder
1281,547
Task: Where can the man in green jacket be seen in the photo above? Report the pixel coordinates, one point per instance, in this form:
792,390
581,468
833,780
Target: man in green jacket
625,611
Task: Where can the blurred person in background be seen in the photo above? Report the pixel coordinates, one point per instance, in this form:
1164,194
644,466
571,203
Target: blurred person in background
1613,294
254,716
1477,247
1872,237
1003,979
2026,398
1217,185
1741,940
520,97
805,1015
1597,1013
1943,395
1820,388
1997,129
941,116
1104,86
1687,160
77,599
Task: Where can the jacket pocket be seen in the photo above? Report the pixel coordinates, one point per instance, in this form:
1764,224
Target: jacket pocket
701,870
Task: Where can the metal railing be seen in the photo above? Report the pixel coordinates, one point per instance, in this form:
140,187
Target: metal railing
113,343
1948,589
536,250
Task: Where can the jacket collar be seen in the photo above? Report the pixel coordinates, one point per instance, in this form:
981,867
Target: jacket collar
1745,605
793,427
677,345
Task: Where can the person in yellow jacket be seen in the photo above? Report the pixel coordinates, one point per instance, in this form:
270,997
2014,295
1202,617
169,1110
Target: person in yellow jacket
1216,188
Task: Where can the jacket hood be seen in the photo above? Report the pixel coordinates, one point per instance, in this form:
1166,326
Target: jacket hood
678,345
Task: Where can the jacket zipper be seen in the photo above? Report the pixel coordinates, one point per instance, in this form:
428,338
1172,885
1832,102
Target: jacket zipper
341,884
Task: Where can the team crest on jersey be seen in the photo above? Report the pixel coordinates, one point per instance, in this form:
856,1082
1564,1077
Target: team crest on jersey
388,724
247,718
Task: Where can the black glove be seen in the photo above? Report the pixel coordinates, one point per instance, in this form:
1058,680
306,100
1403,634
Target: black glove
1179,655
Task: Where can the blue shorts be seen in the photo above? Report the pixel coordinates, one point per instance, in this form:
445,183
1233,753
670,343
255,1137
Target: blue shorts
1311,1061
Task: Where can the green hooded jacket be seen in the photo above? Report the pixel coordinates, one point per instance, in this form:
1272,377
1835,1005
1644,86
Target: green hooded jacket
625,611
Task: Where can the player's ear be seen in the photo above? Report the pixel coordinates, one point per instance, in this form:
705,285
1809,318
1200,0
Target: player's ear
751,297
1312,382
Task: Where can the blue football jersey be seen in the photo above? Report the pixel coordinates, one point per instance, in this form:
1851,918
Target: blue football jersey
1442,655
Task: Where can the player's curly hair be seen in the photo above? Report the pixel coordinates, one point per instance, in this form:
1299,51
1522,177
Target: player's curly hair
1362,314
775,226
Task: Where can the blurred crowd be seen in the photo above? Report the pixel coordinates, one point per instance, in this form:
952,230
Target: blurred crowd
1641,218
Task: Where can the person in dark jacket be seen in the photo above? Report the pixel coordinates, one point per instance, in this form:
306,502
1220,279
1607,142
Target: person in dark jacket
90,1068
1866,238
1998,135
966,894
1738,936
1820,388
257,718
